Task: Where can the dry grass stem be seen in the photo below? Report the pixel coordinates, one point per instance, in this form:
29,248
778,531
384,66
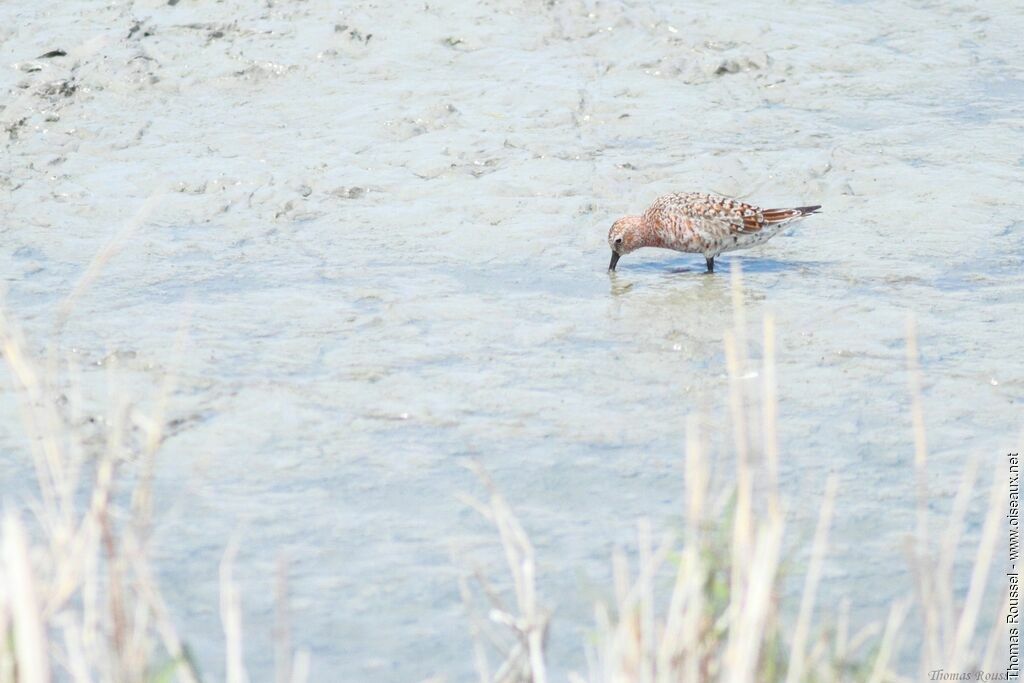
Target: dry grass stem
721,620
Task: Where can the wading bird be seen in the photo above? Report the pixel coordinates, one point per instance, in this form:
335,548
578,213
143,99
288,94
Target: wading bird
699,223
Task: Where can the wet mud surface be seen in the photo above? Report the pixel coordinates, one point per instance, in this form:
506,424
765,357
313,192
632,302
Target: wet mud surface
383,228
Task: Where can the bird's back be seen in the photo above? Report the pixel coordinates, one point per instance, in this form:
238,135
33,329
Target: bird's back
709,223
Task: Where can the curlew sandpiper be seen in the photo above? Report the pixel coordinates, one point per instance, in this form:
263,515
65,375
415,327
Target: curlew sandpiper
699,223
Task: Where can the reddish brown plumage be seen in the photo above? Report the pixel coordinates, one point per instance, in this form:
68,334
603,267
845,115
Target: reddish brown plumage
697,222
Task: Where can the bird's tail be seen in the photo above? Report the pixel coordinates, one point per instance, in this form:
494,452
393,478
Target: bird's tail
781,215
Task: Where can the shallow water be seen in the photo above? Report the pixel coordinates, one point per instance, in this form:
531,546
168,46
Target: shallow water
384,227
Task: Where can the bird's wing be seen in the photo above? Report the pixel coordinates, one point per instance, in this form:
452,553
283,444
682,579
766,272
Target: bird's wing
772,216
740,217
731,215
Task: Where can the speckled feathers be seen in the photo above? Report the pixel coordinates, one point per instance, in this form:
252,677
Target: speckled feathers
700,223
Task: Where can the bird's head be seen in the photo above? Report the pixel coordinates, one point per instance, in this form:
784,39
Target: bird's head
624,237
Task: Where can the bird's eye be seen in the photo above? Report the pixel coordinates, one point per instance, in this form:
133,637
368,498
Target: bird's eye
618,240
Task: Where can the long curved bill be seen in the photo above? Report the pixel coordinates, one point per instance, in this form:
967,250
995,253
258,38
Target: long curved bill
615,259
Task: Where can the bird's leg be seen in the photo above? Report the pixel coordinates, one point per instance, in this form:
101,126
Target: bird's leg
711,263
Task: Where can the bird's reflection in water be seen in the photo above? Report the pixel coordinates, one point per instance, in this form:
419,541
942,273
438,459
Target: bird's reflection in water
619,284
